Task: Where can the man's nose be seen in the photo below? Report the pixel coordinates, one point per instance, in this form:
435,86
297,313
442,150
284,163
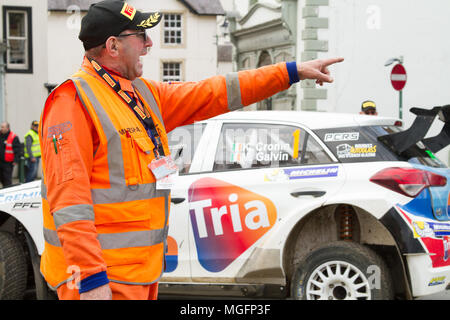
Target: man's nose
148,41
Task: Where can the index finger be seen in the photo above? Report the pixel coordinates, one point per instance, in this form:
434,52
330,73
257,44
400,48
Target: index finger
331,61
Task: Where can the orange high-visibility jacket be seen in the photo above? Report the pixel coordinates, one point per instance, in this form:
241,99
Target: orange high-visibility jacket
104,220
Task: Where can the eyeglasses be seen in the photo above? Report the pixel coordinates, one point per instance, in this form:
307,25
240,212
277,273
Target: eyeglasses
370,112
143,35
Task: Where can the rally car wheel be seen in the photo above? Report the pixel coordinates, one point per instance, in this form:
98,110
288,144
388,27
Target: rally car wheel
342,271
13,268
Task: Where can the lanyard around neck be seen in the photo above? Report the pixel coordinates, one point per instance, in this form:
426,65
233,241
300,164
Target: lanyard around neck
148,121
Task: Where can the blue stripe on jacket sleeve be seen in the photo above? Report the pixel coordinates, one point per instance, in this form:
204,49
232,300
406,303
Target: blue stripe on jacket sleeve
93,281
293,72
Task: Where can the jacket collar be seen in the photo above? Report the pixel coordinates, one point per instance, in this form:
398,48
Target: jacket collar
125,84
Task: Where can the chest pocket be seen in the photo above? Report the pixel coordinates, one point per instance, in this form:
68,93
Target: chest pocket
62,161
138,153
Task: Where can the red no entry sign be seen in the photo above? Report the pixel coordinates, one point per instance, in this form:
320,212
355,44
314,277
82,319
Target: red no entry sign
398,77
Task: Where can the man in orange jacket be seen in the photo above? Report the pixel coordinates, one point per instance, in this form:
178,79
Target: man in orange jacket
104,146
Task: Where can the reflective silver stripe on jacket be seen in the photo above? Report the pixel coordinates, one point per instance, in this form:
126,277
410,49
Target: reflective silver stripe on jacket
43,189
233,91
119,240
73,213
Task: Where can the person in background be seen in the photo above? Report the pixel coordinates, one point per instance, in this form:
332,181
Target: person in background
10,151
368,107
32,152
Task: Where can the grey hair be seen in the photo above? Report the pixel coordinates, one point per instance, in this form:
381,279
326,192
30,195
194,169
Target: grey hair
96,52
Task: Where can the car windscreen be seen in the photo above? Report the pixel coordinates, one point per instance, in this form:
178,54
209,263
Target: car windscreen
361,144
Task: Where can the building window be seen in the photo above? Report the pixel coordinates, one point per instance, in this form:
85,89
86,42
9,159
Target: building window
17,33
172,71
173,29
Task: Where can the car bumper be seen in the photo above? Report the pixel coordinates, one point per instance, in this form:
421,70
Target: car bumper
425,279
425,245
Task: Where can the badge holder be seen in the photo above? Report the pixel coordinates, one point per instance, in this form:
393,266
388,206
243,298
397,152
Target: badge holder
163,168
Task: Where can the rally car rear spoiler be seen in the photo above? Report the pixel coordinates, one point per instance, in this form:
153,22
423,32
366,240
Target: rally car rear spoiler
399,142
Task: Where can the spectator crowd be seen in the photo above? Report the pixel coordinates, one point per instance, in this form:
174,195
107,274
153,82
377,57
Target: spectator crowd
14,153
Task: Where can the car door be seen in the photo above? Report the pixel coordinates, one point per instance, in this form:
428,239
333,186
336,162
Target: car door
184,143
258,179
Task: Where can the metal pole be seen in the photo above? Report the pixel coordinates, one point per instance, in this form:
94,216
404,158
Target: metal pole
400,104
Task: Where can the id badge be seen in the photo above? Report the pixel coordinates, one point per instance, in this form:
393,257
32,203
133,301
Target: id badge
162,167
166,183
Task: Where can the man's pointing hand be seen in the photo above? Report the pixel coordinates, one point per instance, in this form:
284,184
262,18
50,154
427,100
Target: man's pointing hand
317,69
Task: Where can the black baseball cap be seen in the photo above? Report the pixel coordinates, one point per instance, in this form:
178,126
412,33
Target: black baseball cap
109,18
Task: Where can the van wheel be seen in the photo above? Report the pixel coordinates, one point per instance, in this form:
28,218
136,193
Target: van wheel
342,271
13,268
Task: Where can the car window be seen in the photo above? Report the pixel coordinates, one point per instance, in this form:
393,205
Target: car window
183,142
361,144
245,146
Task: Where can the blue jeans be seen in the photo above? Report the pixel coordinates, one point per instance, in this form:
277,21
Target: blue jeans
32,168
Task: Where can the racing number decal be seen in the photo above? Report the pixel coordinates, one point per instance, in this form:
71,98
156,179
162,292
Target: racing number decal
226,221
296,135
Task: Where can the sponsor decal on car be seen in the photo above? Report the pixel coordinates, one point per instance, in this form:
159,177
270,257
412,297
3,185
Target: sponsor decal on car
317,172
341,136
436,281
301,173
26,205
226,221
422,229
430,229
21,196
433,237
361,150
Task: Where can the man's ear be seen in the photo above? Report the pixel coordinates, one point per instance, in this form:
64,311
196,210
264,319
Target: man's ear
112,46
361,112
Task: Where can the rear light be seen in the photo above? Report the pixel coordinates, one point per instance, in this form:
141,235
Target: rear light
408,181
398,123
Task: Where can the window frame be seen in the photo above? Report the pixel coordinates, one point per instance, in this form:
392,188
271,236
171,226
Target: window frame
28,67
192,168
182,69
182,29
309,134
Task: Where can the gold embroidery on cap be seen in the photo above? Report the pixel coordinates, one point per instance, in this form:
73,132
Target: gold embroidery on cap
128,11
153,19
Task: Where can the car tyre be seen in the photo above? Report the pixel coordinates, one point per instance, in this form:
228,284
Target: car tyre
342,271
13,268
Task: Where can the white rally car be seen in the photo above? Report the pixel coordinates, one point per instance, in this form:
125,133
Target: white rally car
300,205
